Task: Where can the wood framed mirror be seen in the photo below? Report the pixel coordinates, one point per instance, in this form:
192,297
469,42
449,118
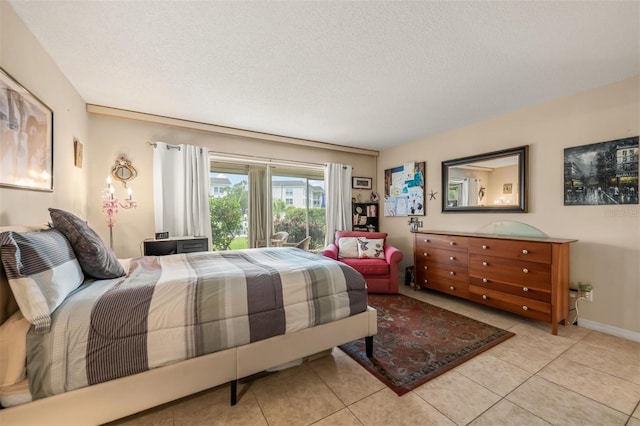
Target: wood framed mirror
491,182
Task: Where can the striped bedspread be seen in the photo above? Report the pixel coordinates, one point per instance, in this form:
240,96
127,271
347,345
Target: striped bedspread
172,308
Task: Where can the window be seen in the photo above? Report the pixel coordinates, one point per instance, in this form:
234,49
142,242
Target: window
228,203
297,205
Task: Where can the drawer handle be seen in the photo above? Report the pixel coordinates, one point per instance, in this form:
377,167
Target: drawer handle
426,281
452,258
525,270
525,251
452,243
484,296
452,273
452,288
426,267
484,263
427,241
525,288
484,247
525,308
484,280
425,254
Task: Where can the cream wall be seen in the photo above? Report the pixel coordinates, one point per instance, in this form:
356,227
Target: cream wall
607,254
112,136
24,59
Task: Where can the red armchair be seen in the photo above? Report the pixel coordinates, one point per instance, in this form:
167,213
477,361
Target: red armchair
381,272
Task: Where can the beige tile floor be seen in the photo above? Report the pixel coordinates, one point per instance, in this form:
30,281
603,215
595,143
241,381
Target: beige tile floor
580,377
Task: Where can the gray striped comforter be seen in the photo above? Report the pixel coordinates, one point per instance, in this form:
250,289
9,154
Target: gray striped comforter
172,308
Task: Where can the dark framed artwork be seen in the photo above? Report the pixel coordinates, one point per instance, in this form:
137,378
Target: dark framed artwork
602,173
361,182
26,138
404,190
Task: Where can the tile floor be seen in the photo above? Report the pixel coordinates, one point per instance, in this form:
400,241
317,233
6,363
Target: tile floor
580,377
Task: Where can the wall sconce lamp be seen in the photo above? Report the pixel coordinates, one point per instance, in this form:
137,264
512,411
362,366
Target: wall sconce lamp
111,204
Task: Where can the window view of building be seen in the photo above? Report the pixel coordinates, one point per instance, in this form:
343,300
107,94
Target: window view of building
297,206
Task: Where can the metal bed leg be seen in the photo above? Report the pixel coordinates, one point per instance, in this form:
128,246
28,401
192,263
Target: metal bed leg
234,392
368,341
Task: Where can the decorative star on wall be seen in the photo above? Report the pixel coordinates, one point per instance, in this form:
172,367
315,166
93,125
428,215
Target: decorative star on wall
432,195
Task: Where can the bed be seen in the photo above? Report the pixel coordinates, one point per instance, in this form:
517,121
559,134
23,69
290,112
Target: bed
316,304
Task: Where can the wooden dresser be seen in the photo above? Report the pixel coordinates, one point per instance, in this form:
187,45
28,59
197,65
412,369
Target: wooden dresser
526,276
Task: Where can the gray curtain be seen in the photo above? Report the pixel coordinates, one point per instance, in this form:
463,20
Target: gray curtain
258,205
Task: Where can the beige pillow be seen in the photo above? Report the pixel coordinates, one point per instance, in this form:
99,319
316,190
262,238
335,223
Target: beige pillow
369,248
348,247
13,349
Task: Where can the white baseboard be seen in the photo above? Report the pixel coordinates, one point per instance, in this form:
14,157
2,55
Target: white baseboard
609,329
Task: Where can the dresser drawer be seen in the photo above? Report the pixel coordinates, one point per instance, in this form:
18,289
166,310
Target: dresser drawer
446,242
530,251
446,258
527,274
424,270
445,285
515,289
518,305
452,273
194,245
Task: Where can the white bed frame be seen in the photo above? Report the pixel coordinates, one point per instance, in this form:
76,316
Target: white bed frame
119,398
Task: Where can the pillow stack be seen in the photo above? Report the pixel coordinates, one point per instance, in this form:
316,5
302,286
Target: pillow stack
42,270
44,267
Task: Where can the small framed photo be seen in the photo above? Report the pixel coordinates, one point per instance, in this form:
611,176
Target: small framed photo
361,183
26,138
507,188
77,153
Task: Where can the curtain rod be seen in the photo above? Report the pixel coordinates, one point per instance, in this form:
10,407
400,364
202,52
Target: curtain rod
252,159
262,160
155,145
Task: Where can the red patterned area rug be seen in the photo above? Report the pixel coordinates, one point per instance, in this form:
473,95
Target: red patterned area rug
417,342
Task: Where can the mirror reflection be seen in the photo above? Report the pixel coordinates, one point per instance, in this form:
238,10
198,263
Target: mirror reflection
123,171
487,182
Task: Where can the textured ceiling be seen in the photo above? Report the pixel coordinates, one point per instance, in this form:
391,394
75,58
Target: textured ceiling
362,74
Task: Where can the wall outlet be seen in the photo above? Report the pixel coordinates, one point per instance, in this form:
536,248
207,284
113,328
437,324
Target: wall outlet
588,295
586,291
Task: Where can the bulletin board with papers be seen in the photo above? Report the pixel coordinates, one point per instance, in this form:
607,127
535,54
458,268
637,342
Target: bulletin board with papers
404,190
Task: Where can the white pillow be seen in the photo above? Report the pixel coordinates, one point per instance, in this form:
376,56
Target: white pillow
370,248
348,247
13,349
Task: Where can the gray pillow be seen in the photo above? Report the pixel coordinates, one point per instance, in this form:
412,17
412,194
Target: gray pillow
96,259
42,271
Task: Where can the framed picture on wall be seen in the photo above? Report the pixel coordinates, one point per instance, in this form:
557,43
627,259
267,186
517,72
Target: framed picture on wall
404,190
26,138
602,173
361,183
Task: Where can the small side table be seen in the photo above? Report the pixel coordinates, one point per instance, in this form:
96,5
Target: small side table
175,245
